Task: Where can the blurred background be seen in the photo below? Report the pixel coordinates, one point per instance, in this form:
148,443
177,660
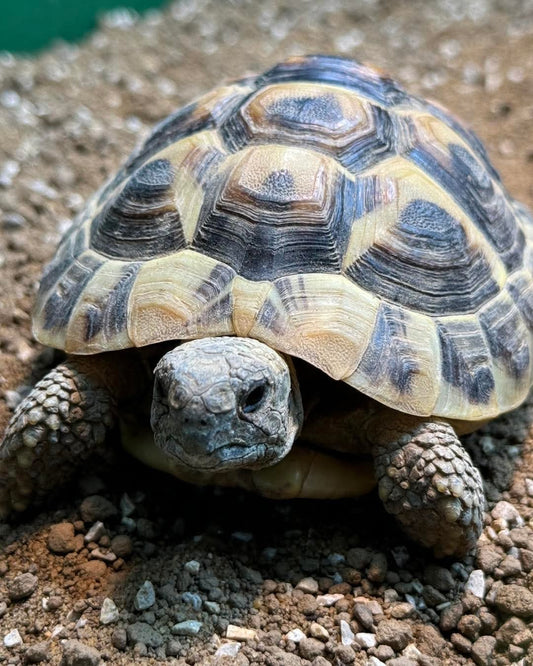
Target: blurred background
30,25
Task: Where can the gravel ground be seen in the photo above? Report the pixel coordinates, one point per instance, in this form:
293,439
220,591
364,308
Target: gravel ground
128,566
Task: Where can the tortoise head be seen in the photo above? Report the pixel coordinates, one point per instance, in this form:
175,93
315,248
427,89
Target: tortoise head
224,403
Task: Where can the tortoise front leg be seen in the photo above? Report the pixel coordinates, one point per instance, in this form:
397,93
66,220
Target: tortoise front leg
428,481
57,427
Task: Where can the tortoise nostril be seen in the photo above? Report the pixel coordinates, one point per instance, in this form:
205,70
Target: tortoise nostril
178,397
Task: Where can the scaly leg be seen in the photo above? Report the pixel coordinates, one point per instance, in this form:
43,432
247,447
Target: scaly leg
57,427
428,481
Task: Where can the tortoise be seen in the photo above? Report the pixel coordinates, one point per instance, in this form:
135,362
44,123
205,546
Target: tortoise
297,272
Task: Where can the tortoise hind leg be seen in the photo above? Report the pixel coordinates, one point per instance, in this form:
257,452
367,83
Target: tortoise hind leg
57,427
428,481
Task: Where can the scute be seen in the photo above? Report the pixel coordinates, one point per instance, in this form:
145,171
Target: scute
321,209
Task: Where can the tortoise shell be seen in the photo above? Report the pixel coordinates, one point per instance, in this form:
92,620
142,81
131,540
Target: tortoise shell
325,211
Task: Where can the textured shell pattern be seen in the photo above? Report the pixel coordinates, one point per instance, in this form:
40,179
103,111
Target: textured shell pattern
325,211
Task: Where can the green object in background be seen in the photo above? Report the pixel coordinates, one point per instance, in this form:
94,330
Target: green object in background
30,25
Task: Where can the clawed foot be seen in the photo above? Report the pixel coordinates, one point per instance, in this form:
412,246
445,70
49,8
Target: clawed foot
55,428
427,480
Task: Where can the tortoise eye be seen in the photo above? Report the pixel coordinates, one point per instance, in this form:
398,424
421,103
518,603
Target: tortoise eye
253,400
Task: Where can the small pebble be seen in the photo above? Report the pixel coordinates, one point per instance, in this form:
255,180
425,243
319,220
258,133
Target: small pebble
347,635
52,603
363,615
212,607
461,643
121,545
395,633
12,639
76,653
94,533
476,583
229,649
328,599
22,586
233,632
193,599
109,612
37,652
507,512
141,632
308,585
127,507
483,649
366,640
374,661
377,569
94,569
514,600
145,597
311,648
192,566
106,556
245,537
384,652
187,628
119,638
95,508
295,635
402,610
318,631
439,577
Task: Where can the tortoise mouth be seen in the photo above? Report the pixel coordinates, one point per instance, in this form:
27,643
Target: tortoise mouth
233,455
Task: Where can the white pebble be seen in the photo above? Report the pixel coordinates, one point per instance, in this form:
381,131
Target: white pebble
329,599
8,171
295,635
13,638
507,512
57,630
240,633
229,649
347,635
109,612
9,99
374,661
309,585
476,583
366,640
94,533
187,628
192,566
40,187
529,486
412,652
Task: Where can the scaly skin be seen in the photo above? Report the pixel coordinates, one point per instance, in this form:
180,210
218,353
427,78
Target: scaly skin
60,424
428,481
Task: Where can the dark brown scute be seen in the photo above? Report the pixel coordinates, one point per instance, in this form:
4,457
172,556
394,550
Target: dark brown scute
427,264
141,221
465,360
